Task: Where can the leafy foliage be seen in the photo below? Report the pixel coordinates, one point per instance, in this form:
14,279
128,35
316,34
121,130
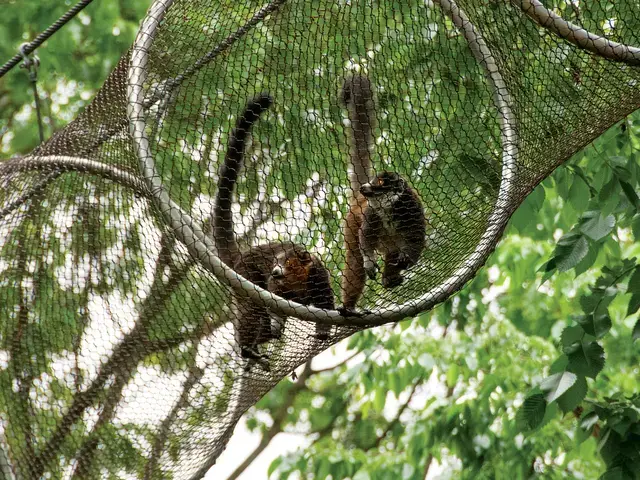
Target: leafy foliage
73,63
583,354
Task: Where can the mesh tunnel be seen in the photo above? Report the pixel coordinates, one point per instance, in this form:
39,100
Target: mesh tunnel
117,312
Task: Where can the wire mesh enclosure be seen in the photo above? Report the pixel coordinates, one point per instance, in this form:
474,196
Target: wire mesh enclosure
120,318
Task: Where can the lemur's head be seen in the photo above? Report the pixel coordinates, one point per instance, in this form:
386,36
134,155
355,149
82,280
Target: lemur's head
385,186
291,270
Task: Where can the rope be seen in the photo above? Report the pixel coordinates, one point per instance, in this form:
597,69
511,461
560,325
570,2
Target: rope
32,64
40,39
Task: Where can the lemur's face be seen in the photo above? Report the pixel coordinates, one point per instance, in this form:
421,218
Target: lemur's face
383,184
384,188
290,272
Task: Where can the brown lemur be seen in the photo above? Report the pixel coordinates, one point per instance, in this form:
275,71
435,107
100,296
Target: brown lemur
283,268
385,213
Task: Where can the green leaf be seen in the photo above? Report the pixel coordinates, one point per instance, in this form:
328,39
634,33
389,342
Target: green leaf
408,471
570,250
634,281
571,338
615,473
521,219
549,269
395,383
252,424
607,190
579,193
323,469
362,475
274,465
596,324
604,438
585,427
587,359
599,299
379,399
587,262
589,421
560,365
634,304
620,425
636,331
452,375
532,411
596,226
630,192
537,197
635,227
550,413
562,182
574,396
610,204
556,385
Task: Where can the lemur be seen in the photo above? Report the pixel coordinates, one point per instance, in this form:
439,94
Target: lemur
385,213
283,268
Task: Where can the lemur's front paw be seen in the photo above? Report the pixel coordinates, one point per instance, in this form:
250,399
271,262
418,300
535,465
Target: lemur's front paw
322,336
349,312
253,356
403,261
392,282
371,268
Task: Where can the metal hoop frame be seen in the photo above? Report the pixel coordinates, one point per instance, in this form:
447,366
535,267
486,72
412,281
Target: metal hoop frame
202,247
580,37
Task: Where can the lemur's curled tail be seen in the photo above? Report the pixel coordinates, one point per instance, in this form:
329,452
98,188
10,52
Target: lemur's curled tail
223,231
283,268
358,99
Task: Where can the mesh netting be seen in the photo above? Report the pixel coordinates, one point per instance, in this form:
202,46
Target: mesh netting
118,344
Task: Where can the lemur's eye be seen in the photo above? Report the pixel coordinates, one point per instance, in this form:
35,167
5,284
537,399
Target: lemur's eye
381,181
288,262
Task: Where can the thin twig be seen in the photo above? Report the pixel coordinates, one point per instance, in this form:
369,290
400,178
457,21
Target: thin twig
338,365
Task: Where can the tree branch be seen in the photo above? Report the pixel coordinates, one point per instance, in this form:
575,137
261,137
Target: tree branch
278,419
129,352
396,419
87,454
150,470
427,466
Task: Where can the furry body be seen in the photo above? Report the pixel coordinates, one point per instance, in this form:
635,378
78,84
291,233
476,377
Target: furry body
385,214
